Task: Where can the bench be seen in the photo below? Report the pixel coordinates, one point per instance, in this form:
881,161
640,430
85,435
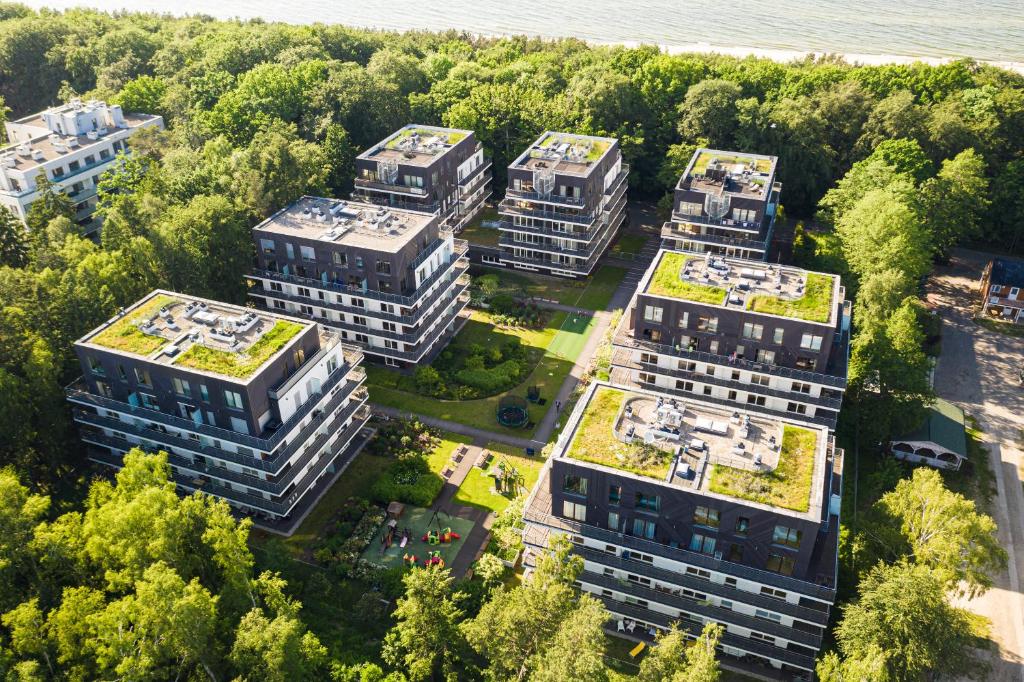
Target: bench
483,459
447,472
459,453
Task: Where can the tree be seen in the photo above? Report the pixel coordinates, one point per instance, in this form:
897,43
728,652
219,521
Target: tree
676,659
896,116
276,169
955,201
50,204
708,112
276,649
1005,224
902,610
866,665
943,530
13,240
426,636
144,94
577,650
394,66
881,231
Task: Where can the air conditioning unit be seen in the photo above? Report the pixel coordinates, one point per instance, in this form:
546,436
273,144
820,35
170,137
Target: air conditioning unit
37,154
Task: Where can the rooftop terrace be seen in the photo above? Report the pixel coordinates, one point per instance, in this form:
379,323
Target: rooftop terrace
419,145
714,172
695,446
564,153
198,334
745,285
348,223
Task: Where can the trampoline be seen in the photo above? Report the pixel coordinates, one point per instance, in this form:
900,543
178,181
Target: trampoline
513,411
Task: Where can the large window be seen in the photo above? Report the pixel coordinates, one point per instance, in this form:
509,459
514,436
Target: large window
742,526
778,335
613,521
642,528
614,494
707,324
752,331
810,342
574,484
706,516
705,544
653,313
787,537
780,564
572,510
181,387
233,400
648,502
142,377
308,254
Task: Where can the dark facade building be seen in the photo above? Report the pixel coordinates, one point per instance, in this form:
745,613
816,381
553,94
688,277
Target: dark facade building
674,508
426,168
566,199
258,409
1002,290
391,281
771,339
725,204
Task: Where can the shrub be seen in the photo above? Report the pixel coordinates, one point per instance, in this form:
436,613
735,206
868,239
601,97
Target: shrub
494,380
410,481
428,380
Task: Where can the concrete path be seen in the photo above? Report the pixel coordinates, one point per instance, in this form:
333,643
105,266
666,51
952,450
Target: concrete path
978,371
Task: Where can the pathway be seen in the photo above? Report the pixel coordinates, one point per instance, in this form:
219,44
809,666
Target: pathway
977,370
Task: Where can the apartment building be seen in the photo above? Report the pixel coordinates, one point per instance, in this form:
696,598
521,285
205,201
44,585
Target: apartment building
675,508
565,200
256,408
427,168
725,204
742,334
391,281
72,145
1002,290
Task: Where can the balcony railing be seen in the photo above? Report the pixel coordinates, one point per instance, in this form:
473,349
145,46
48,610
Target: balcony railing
671,231
581,235
388,187
577,202
509,206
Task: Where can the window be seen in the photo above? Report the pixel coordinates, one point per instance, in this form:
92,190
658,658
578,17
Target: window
383,267
303,291
653,313
638,579
181,387
233,400
686,366
359,320
609,572
90,159
646,378
699,573
796,408
730,582
710,370
742,526
96,367
788,537
308,254
735,554
636,602
752,331
648,502
767,615
142,377
713,347
772,592
148,401
58,172
684,385
359,262
707,324
799,387
762,637
705,544
755,400
780,564
104,153
203,393
572,510
267,246
642,528
614,494
648,359
690,208
652,335
725,604
810,342
339,259
707,390
705,516
637,556
576,485
765,356
778,335
613,521
684,320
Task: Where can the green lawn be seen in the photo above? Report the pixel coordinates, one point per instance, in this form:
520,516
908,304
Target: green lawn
386,386
125,335
569,341
815,305
441,456
629,245
476,233
603,284
667,282
477,490
995,325
789,486
564,291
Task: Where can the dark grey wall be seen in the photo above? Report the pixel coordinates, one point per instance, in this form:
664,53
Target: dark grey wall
683,194
591,186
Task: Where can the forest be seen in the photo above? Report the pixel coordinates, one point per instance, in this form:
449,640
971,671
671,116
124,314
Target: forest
884,168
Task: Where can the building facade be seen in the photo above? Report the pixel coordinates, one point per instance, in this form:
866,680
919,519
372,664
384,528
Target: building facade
655,496
427,168
1002,290
72,145
256,408
391,281
565,200
725,203
766,338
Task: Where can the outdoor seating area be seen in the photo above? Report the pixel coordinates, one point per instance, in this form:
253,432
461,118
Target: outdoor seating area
415,536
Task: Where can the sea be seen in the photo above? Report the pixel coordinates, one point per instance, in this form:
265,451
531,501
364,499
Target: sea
866,31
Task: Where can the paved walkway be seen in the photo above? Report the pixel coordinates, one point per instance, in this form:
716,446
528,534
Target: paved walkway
978,371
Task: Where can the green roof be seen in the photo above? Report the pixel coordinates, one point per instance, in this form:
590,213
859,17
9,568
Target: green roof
667,281
815,305
240,364
943,425
125,335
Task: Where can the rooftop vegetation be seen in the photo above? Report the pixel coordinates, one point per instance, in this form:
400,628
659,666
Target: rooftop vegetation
667,281
595,439
240,364
815,305
125,335
760,165
450,137
788,486
597,147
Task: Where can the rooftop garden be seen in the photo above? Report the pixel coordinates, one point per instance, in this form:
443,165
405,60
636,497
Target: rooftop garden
788,486
595,439
450,137
597,147
668,281
815,305
240,364
125,335
701,165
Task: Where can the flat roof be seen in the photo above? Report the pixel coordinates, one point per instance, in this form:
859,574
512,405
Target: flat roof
358,224
714,171
54,146
739,284
766,462
564,153
197,334
418,145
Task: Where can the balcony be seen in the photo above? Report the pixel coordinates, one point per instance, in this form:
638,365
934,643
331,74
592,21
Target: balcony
472,183
579,235
674,231
390,188
508,206
575,202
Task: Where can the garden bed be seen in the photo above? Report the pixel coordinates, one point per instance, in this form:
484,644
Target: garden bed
788,486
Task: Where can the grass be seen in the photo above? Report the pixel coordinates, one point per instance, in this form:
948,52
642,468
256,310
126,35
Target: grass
451,137
788,486
477,490
595,439
548,374
441,456
629,245
593,294
125,335
1007,328
975,479
597,147
240,365
701,165
603,285
476,233
667,282
815,305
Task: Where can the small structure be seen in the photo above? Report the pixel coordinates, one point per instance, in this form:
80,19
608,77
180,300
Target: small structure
513,411
1002,290
940,441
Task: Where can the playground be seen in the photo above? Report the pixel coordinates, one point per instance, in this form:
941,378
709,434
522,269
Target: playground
415,523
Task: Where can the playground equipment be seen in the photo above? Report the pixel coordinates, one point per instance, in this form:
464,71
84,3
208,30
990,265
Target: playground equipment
513,411
440,537
508,479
